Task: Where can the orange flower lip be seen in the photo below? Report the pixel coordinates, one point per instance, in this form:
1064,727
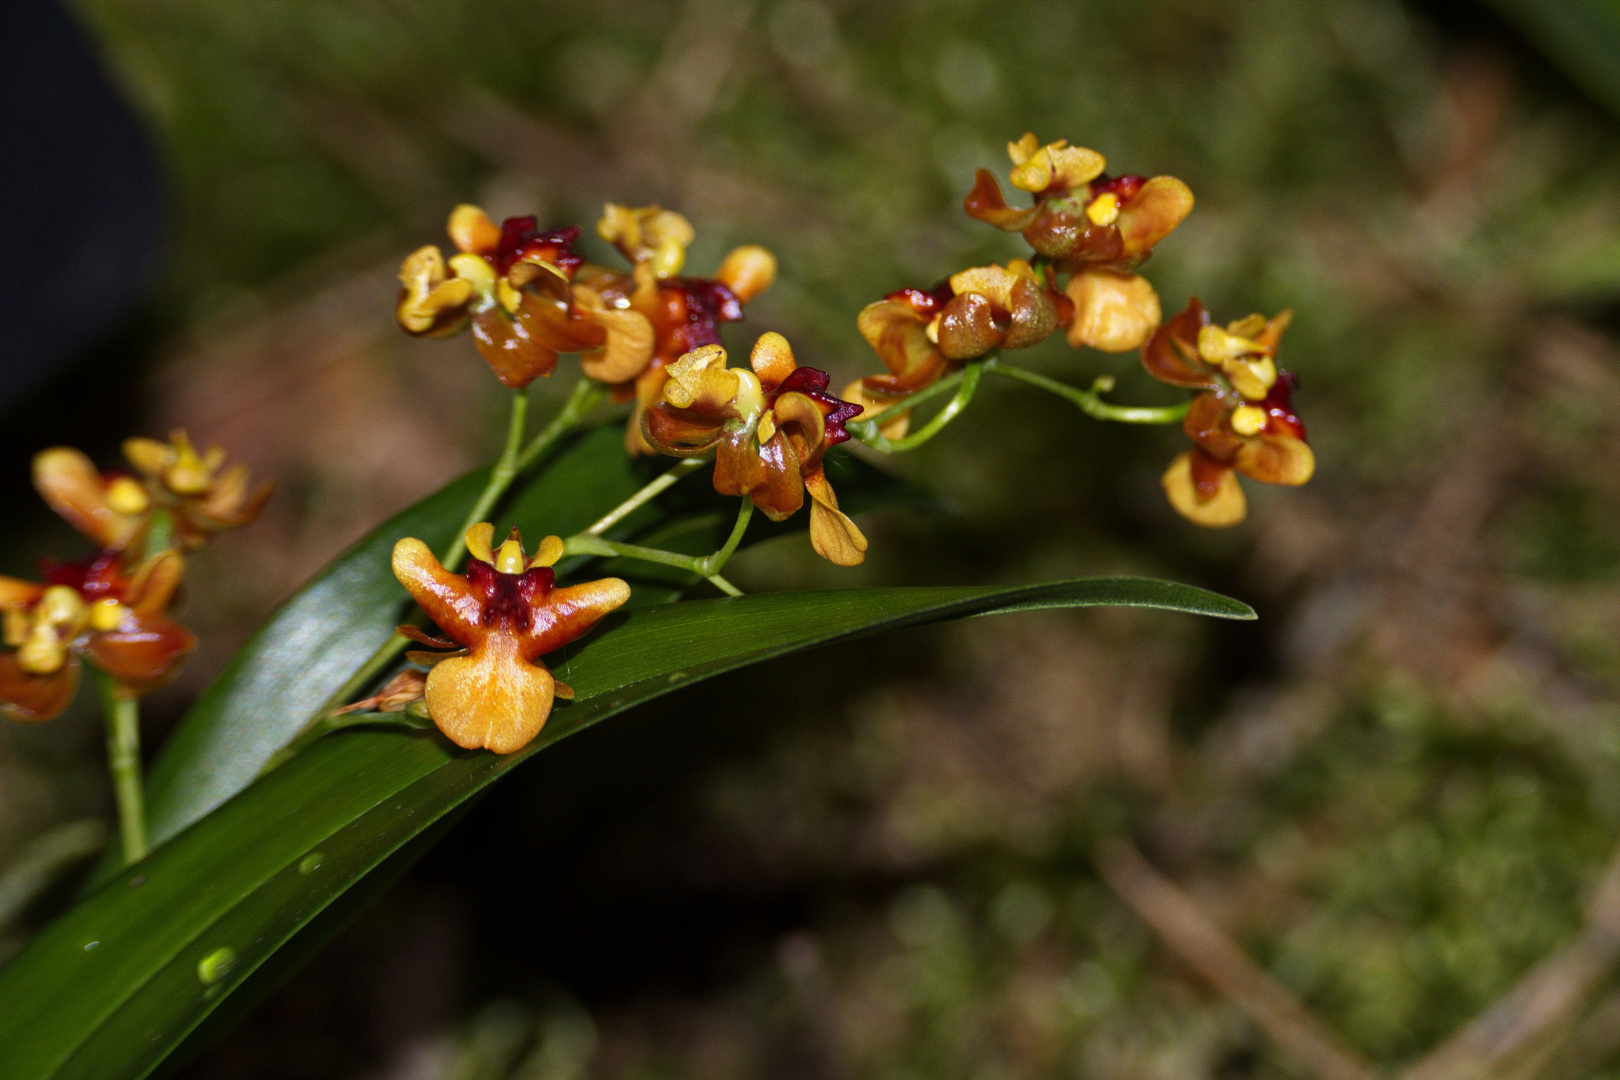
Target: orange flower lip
506,613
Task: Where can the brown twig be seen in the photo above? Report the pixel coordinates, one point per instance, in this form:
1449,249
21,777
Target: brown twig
1198,941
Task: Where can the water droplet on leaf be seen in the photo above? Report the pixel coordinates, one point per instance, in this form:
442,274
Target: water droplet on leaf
311,863
216,965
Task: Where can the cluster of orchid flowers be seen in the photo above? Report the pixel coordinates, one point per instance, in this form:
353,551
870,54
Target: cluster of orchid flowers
110,610
650,335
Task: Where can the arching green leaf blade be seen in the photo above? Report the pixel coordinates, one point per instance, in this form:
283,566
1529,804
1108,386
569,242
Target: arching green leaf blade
109,989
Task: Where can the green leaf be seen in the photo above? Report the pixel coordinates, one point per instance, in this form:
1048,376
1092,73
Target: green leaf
113,986
309,647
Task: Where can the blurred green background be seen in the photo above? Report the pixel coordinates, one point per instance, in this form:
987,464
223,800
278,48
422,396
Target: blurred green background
1396,790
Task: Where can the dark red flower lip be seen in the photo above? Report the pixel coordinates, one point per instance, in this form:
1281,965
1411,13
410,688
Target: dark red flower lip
93,577
1122,187
812,383
508,598
1279,405
522,237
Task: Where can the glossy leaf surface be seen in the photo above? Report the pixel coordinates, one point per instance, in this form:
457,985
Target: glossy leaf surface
109,989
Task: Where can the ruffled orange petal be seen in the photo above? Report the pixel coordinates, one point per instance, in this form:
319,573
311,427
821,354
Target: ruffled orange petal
1275,459
985,203
492,699
629,345
35,698
446,597
1171,354
900,338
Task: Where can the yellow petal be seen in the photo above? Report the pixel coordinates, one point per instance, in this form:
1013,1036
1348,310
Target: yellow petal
551,549
479,539
472,230
747,271
832,534
1227,507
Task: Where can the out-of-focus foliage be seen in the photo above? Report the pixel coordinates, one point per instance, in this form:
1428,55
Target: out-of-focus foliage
1395,790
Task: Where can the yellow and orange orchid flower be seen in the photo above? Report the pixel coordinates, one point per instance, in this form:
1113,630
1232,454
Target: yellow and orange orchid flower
505,613
93,610
201,494
1243,422
920,335
768,425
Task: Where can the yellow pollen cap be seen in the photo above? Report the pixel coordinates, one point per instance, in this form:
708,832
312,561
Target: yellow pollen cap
125,495
1248,420
107,615
1104,209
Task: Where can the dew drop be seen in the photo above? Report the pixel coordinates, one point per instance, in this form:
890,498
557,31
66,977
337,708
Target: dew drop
216,965
677,676
311,863
89,945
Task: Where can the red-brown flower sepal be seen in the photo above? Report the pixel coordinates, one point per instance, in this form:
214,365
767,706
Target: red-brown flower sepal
94,610
506,612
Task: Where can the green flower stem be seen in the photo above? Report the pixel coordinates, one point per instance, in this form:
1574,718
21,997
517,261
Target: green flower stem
706,566
970,375
584,399
159,532
1092,405
515,457
123,715
500,478
949,382
626,508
